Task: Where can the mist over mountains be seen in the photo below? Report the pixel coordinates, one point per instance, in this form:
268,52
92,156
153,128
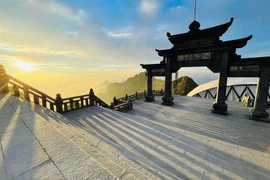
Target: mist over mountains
107,90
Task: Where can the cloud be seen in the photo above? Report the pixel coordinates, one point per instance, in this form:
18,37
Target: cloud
149,8
122,32
60,10
20,49
112,34
75,33
67,12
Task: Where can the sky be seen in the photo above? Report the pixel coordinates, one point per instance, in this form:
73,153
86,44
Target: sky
69,46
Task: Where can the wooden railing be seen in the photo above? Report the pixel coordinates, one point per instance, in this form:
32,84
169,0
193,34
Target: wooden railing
77,102
21,89
99,102
124,104
158,93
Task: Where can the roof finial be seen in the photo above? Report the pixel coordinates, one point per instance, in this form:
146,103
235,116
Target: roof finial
195,9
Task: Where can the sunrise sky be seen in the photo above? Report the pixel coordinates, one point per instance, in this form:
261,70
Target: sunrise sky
68,46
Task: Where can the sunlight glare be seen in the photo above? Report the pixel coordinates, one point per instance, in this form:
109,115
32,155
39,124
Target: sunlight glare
24,66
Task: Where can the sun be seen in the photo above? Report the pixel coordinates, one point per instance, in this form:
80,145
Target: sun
24,66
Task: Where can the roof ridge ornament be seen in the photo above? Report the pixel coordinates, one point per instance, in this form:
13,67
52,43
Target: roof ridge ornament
194,26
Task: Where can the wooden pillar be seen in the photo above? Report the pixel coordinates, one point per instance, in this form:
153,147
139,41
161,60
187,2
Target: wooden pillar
3,80
168,99
149,97
220,106
259,111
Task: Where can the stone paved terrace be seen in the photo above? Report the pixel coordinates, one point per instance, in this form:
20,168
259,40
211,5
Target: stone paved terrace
185,141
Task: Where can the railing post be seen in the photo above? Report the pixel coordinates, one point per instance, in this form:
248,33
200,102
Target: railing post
144,93
130,104
161,92
51,106
112,106
16,90
126,97
82,104
71,103
92,97
44,104
3,80
26,93
76,104
59,103
114,101
36,99
136,95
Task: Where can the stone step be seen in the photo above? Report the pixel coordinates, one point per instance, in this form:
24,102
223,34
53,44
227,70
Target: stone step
122,144
72,161
59,122
99,150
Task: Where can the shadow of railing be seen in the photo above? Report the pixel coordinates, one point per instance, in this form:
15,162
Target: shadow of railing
181,145
18,146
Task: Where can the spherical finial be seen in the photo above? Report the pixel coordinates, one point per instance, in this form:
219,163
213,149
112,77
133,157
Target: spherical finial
195,25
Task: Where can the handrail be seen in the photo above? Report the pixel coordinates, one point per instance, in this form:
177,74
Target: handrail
59,105
125,103
123,106
101,103
75,97
76,102
28,90
29,87
72,103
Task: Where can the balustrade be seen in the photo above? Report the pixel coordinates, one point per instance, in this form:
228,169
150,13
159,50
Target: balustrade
59,104
124,104
29,93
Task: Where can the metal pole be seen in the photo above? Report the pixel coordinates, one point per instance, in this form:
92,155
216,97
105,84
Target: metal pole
195,9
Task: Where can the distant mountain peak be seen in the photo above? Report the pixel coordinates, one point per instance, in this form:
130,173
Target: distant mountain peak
183,85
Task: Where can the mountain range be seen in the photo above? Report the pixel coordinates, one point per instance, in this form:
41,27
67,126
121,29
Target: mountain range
107,90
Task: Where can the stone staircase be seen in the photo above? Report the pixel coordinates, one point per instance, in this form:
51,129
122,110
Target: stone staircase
123,147
151,142
109,154
36,143
33,147
184,141
98,149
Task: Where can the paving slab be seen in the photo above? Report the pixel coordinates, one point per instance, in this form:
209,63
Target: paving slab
23,157
45,171
16,137
185,141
